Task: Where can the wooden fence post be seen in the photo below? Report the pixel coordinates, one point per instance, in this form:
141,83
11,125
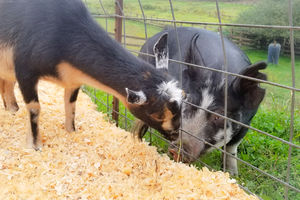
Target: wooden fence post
118,37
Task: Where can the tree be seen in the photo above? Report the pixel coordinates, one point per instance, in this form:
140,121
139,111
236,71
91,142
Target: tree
270,12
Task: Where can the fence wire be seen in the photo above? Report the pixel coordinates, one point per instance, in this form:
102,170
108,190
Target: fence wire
102,13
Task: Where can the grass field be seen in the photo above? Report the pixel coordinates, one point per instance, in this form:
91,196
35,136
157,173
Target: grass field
273,115
281,74
184,10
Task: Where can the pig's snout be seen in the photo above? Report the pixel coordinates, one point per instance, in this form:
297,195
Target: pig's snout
174,154
180,156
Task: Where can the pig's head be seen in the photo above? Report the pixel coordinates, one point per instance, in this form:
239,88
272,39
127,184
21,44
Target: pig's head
244,97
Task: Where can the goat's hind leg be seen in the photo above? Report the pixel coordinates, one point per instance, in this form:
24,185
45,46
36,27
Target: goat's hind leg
70,104
8,96
2,91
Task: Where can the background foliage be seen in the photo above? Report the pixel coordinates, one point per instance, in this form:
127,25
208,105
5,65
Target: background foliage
270,12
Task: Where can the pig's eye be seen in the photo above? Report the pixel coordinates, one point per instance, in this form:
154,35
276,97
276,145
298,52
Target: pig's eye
218,121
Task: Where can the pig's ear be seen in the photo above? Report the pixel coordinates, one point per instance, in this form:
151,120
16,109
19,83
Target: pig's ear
161,52
136,97
250,91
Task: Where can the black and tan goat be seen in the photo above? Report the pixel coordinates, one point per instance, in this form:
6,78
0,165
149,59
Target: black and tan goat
58,40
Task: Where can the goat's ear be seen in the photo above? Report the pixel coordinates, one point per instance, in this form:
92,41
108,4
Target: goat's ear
250,91
161,52
136,97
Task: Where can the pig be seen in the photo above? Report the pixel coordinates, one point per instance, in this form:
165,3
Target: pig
206,89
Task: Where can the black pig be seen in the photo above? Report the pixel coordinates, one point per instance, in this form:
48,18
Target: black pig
205,88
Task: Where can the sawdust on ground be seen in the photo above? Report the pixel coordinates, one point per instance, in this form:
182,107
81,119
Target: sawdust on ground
99,161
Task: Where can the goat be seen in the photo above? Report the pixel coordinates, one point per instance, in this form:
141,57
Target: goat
59,41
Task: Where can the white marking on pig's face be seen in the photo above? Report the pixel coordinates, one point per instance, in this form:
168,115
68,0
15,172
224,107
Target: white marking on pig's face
220,136
198,121
196,125
171,90
205,126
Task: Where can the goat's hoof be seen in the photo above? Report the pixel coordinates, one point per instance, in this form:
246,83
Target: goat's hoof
70,129
12,108
70,126
36,146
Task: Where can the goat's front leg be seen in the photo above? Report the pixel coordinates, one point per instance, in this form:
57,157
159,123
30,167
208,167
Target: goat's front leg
33,137
8,96
70,104
28,87
139,129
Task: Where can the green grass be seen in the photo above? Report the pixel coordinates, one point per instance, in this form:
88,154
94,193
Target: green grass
131,28
282,74
267,154
273,115
183,10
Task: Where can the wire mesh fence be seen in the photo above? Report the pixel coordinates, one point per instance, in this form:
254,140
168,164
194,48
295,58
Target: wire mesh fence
280,179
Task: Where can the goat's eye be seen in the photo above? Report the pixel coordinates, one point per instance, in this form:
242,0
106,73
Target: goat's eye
157,116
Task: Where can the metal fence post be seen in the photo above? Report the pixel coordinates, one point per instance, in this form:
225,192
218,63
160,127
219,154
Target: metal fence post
118,37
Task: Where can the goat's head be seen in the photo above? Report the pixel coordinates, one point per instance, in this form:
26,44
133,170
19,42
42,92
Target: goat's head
159,108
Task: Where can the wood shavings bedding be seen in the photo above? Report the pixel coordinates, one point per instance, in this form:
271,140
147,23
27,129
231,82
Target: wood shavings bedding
99,161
